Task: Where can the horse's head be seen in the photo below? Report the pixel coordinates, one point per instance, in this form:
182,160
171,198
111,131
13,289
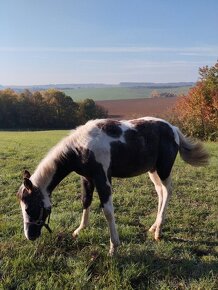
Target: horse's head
33,209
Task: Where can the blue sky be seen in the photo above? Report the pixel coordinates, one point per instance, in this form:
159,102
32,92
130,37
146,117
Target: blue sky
106,41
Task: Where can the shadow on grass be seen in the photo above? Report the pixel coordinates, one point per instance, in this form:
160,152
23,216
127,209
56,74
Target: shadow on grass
160,264
190,242
140,262
210,241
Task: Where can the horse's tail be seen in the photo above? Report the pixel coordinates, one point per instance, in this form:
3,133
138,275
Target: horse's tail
192,152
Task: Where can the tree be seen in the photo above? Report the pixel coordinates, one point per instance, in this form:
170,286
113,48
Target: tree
197,113
64,110
88,110
50,109
155,94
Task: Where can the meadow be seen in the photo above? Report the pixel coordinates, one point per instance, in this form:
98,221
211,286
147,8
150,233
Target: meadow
185,258
120,93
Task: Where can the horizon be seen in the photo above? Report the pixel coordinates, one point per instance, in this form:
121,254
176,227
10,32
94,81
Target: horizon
95,84
95,42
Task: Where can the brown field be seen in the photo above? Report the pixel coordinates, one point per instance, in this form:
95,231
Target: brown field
127,109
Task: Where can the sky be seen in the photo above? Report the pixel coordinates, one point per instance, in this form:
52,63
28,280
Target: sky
106,41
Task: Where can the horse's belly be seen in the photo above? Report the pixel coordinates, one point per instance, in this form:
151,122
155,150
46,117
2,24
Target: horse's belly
131,165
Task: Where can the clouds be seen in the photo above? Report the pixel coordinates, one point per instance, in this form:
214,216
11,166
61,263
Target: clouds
107,64
192,51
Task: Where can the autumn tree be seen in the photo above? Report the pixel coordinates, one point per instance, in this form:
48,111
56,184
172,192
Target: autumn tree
197,112
155,94
51,109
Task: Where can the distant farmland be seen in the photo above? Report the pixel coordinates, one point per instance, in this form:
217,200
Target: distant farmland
129,109
120,93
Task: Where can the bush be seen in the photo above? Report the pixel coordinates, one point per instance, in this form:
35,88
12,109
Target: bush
197,113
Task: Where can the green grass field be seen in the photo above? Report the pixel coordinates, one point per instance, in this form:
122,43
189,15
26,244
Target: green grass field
113,93
186,257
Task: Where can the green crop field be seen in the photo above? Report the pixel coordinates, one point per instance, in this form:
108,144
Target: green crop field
116,93
186,257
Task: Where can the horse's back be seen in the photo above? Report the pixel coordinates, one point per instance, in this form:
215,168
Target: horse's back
129,148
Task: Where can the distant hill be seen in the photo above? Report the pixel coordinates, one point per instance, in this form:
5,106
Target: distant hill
100,86
56,86
156,85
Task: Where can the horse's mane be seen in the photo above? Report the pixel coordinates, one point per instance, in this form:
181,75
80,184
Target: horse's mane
47,166
76,138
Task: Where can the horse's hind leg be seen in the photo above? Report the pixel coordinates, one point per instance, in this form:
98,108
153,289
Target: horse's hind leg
164,190
158,186
88,188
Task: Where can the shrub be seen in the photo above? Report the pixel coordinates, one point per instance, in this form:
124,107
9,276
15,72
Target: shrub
197,112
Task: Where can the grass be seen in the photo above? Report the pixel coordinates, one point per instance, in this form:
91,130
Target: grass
186,257
113,93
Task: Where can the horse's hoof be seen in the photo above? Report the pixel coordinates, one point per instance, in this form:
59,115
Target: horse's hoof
152,229
112,253
74,235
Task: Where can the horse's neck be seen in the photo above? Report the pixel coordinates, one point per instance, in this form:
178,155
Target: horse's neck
64,166
54,167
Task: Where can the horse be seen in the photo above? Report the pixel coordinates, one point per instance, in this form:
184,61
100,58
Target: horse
102,149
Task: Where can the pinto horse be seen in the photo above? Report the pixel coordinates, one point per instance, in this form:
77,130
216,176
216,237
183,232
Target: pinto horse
102,149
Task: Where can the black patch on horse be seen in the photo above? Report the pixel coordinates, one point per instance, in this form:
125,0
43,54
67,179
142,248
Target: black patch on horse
34,203
133,157
165,141
111,128
83,162
149,146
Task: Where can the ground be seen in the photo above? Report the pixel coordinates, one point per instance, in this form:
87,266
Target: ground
185,258
129,109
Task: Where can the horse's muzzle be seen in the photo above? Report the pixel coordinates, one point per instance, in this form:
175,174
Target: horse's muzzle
33,232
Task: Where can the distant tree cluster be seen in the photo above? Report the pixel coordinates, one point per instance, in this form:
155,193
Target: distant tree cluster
50,109
197,113
157,94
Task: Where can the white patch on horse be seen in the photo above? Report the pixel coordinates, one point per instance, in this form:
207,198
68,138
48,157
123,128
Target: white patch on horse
84,222
125,125
94,139
25,218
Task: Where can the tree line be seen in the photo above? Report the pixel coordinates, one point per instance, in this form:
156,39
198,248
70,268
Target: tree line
51,109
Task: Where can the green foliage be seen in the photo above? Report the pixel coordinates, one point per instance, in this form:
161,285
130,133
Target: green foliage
186,257
89,110
197,113
49,109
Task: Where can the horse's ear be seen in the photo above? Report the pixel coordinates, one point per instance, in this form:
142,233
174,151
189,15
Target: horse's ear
26,174
28,184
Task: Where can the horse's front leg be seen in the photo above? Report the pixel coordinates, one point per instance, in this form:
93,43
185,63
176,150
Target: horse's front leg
109,214
87,194
105,195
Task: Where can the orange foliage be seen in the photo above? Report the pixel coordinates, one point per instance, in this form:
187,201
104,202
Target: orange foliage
197,113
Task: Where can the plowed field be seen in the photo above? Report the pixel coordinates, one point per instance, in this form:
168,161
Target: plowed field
127,109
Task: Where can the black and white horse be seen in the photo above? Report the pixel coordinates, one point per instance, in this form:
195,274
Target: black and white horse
98,151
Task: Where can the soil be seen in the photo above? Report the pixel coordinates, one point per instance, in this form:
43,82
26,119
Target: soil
134,108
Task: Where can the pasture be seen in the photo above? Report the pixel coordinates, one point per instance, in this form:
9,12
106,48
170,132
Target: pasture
186,257
120,93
